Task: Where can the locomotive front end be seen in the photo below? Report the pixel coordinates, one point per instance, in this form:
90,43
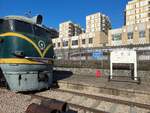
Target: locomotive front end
26,53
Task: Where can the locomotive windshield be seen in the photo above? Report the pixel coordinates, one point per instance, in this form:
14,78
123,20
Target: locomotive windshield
40,32
4,26
27,28
23,27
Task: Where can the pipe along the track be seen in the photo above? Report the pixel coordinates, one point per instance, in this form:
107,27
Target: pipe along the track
35,108
48,106
55,104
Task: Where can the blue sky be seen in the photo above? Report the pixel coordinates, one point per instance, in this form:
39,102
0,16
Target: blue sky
57,11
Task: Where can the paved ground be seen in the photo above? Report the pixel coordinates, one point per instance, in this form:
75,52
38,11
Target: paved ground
91,80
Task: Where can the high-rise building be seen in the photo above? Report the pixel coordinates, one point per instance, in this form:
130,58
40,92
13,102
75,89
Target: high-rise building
97,22
69,29
73,36
137,11
136,29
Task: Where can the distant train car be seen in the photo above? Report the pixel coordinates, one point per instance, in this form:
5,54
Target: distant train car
26,53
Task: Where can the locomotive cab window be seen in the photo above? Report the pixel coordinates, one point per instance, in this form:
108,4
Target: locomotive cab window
1,20
22,27
40,32
4,26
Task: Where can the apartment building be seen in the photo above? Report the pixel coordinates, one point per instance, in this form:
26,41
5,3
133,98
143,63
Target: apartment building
84,40
69,29
130,34
73,36
97,22
137,25
89,40
137,11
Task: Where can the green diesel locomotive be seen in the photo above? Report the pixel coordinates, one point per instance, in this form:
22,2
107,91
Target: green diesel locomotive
26,53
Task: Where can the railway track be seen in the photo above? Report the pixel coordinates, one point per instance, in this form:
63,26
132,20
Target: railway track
73,107
88,109
132,106
117,101
77,108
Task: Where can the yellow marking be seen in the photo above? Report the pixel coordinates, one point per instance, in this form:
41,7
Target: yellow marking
16,61
47,48
28,40
19,61
23,37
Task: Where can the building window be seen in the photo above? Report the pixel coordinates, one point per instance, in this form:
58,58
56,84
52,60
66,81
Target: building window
75,42
65,43
116,37
83,41
54,45
130,35
90,40
142,34
58,44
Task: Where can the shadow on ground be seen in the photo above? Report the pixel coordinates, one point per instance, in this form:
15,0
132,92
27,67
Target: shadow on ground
59,75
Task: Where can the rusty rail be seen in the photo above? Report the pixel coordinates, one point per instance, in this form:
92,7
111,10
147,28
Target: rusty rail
112,100
86,109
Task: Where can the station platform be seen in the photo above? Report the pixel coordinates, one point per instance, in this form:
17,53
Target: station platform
90,84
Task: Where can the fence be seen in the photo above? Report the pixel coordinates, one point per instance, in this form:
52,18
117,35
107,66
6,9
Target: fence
100,57
97,54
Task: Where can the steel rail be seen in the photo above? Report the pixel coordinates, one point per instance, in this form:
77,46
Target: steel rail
108,99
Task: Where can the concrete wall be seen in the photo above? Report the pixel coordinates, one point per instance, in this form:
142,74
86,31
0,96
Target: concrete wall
144,75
